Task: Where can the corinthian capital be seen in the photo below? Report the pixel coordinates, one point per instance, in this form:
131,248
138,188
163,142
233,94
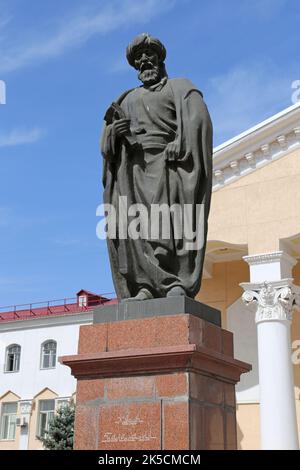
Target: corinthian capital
274,300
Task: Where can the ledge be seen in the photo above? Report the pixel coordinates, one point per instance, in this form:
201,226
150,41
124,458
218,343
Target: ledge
157,360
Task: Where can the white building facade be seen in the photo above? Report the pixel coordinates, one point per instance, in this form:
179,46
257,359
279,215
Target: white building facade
33,384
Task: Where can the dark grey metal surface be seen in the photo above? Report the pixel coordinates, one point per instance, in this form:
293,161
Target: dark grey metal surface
157,149
130,310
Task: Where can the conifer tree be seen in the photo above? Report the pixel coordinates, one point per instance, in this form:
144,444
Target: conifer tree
61,429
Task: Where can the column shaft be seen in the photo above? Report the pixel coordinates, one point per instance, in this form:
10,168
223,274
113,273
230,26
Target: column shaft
277,401
273,292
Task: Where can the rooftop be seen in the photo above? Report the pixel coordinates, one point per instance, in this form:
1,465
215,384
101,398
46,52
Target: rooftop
83,302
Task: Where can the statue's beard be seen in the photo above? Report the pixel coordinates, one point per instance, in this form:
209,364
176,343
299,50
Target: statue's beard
150,76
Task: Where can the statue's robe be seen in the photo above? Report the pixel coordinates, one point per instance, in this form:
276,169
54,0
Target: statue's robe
172,110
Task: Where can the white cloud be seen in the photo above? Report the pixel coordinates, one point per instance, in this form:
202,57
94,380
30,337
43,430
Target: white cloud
20,137
80,28
246,95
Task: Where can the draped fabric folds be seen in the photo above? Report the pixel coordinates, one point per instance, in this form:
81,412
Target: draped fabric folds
173,111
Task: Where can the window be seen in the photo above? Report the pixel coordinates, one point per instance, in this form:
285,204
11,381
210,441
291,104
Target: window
82,301
48,355
46,414
13,353
8,421
61,402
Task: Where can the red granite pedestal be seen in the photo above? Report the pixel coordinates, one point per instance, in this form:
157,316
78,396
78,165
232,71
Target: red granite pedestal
155,383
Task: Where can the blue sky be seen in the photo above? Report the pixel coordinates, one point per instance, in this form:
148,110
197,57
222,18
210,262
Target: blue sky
63,63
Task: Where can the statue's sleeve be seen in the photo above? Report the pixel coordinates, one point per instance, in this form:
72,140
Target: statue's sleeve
198,135
194,134
194,127
199,130
107,142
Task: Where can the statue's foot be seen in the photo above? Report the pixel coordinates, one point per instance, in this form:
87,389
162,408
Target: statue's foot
143,294
176,291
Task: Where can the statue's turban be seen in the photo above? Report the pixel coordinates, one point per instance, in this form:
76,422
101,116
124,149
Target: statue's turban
147,41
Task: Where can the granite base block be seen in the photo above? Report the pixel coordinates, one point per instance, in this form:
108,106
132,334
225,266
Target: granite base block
163,382
130,310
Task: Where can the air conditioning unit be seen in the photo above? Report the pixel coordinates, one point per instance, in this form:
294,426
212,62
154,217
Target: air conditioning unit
21,422
24,422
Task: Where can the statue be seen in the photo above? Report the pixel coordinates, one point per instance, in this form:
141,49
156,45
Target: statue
157,149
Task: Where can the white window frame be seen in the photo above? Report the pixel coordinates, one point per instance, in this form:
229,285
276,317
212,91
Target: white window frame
42,367
82,300
16,362
12,418
49,416
62,401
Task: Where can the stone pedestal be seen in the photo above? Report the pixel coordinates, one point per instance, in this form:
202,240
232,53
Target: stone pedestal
163,382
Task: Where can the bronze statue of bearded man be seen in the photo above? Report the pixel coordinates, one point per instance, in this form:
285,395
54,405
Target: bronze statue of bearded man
157,149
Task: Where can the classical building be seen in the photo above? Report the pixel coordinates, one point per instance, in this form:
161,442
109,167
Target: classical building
252,274
254,238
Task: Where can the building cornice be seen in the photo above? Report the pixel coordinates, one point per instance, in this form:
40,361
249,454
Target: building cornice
258,146
46,322
266,258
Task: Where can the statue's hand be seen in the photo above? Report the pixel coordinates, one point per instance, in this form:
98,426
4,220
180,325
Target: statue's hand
172,151
121,127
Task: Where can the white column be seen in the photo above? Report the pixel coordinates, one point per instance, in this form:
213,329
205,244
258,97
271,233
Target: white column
274,299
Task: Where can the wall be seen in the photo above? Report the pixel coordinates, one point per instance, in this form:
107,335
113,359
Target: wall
58,379
248,433
261,208
31,382
223,289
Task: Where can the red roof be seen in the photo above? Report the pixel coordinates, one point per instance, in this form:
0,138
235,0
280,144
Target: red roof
50,308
